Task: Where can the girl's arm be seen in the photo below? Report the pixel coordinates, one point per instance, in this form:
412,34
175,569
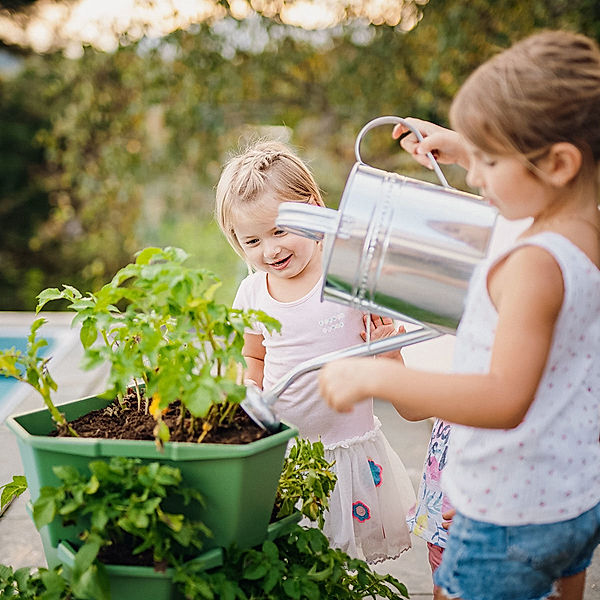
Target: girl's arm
527,290
254,353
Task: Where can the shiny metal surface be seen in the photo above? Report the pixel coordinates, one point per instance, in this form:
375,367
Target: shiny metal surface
398,246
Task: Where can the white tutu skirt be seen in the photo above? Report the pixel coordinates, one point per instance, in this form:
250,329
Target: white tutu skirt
368,506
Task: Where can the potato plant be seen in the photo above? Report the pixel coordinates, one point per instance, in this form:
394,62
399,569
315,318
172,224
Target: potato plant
157,325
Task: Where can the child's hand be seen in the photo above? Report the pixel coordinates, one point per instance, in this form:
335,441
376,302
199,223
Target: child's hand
448,516
446,145
343,383
382,327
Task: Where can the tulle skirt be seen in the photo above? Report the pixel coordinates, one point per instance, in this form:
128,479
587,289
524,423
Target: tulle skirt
368,506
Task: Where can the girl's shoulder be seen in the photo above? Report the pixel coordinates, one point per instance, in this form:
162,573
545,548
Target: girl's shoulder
567,251
546,247
253,280
251,291
542,265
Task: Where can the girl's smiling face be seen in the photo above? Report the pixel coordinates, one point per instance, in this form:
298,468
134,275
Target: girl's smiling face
270,249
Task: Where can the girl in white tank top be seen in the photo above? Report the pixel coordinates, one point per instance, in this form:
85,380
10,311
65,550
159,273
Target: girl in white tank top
523,466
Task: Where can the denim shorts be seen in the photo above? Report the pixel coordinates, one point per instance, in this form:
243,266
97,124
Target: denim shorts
483,561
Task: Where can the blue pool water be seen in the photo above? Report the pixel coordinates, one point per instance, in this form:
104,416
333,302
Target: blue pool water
9,384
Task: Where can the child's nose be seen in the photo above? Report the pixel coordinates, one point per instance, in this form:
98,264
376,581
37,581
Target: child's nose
473,180
272,250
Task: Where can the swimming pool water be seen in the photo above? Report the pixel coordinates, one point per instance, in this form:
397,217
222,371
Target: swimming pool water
9,384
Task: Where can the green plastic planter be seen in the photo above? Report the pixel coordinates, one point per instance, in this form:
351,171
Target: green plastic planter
283,526
238,481
127,582
50,552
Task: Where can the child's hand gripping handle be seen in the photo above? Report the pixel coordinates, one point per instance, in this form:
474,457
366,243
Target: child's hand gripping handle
392,120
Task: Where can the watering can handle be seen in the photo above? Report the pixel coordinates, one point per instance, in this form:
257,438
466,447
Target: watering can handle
392,120
400,340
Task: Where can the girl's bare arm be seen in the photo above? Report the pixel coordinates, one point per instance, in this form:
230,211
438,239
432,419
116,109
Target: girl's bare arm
527,290
254,353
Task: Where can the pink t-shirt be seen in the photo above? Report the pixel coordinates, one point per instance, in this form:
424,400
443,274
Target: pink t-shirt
309,328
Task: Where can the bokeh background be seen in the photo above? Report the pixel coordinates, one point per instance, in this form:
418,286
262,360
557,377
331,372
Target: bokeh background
116,116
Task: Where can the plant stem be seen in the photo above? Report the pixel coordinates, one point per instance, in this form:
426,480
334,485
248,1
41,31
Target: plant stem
58,417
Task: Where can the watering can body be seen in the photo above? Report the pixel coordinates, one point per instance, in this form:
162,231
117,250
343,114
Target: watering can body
398,246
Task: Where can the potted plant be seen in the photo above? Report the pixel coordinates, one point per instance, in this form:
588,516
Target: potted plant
130,542
174,356
293,562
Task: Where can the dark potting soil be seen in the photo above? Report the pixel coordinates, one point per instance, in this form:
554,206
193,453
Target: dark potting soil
122,554
126,422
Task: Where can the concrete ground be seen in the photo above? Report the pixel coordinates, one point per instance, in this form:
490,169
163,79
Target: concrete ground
20,544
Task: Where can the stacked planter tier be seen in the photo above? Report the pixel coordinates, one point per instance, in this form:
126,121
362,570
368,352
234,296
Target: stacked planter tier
238,481
127,582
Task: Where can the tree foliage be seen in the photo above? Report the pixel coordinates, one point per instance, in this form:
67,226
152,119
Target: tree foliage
112,151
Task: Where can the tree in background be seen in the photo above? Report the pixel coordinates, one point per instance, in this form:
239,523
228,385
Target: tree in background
113,151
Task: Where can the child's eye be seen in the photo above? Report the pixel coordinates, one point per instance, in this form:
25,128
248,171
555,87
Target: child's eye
488,161
251,242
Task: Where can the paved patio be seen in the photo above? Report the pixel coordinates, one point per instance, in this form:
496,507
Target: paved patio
20,544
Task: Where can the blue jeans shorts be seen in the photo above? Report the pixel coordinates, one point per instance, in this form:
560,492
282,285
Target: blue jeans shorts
483,561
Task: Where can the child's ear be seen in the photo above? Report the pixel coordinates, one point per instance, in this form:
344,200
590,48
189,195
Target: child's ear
562,163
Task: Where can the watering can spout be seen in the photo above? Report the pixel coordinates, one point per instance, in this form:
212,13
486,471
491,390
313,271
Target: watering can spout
259,405
308,220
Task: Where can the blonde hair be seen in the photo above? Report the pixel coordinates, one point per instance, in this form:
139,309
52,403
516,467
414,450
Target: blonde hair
543,90
264,167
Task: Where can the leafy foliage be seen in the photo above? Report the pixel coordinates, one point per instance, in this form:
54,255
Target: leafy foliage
299,565
33,584
169,336
124,502
113,151
124,499
306,482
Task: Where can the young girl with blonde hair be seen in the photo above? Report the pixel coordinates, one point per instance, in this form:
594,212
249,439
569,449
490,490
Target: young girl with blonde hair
523,463
367,509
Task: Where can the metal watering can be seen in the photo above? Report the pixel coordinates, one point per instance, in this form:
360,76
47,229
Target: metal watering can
397,247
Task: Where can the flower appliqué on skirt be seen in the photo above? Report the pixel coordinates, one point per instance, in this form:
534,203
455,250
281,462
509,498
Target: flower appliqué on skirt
376,471
360,511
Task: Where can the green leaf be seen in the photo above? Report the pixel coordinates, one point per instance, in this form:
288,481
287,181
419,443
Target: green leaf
12,490
46,296
88,332
255,568
146,255
44,509
66,473
292,588
92,583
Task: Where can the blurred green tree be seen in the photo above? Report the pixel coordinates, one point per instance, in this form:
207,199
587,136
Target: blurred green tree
114,151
